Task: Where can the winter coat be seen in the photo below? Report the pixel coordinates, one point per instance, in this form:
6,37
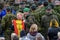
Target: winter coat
7,25
34,37
24,38
52,33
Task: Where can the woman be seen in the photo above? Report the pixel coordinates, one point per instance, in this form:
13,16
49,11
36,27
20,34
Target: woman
53,30
33,32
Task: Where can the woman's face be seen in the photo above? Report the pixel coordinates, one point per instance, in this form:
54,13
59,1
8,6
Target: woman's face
33,32
19,16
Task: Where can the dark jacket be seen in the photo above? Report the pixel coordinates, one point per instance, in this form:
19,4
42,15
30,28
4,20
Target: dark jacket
52,33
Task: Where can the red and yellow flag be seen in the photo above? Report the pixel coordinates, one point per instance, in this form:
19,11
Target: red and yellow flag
18,26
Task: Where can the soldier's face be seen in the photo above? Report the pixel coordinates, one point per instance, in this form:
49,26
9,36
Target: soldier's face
49,11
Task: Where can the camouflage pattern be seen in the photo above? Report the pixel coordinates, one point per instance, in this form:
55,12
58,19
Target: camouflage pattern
6,25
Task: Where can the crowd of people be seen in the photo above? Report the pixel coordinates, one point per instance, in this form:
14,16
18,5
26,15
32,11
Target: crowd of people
26,11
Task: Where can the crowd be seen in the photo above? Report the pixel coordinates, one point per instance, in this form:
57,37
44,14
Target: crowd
26,12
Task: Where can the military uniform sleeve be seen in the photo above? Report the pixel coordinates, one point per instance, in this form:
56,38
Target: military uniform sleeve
42,21
3,23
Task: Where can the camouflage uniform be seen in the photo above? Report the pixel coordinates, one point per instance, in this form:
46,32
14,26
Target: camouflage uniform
7,25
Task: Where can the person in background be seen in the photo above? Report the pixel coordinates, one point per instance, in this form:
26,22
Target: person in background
53,30
33,8
7,23
40,4
33,32
5,6
2,13
26,13
8,10
29,19
13,10
39,8
45,4
22,5
23,35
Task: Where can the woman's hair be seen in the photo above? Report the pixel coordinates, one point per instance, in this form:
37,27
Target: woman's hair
54,22
33,27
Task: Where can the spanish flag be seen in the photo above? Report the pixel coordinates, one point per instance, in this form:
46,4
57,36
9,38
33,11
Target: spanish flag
18,26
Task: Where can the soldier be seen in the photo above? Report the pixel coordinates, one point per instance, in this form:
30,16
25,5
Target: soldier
7,23
39,8
45,20
21,6
29,19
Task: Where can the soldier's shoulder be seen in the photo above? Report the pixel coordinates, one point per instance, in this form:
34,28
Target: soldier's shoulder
44,16
54,15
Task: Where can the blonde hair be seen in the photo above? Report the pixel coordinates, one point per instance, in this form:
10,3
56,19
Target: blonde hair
19,13
55,23
33,27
